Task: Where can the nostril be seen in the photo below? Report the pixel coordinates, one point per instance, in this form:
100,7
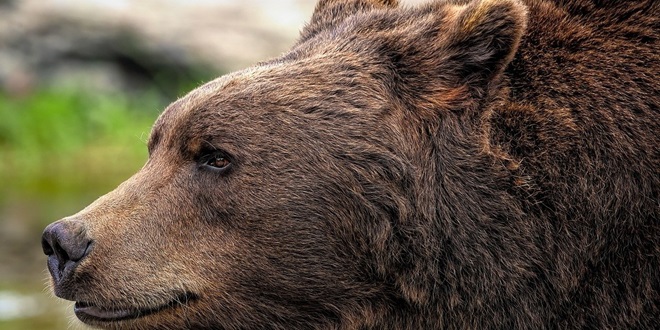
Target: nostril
45,245
61,254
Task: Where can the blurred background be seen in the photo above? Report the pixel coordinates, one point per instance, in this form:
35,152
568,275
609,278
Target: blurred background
81,82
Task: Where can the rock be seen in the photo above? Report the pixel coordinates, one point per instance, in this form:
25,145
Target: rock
127,46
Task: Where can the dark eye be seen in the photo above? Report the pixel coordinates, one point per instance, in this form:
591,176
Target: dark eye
216,161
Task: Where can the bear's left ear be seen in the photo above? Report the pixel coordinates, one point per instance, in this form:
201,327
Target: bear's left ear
484,36
329,13
459,50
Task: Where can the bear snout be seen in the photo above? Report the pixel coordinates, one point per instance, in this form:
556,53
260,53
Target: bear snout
66,243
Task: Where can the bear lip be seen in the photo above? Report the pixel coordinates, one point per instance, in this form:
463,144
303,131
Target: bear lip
85,310
90,313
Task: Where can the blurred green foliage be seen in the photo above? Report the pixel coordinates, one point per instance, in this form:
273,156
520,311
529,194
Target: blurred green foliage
72,142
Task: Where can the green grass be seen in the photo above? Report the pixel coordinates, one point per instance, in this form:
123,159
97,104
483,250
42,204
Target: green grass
59,143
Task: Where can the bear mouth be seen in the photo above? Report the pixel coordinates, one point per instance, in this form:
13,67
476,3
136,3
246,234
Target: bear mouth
92,313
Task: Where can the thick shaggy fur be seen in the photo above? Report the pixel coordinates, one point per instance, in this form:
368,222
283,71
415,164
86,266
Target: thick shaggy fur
462,165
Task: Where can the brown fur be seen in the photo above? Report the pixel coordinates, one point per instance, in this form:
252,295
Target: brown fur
484,164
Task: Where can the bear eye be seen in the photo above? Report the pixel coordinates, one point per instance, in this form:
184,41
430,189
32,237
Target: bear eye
216,161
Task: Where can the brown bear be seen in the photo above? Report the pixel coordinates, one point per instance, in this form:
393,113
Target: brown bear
462,164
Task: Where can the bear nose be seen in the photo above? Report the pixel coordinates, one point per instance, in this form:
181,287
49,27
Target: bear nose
66,243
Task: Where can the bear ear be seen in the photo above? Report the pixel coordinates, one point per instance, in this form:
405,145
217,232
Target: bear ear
329,13
462,49
484,36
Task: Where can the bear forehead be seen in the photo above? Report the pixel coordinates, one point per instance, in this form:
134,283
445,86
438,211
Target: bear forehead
284,92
